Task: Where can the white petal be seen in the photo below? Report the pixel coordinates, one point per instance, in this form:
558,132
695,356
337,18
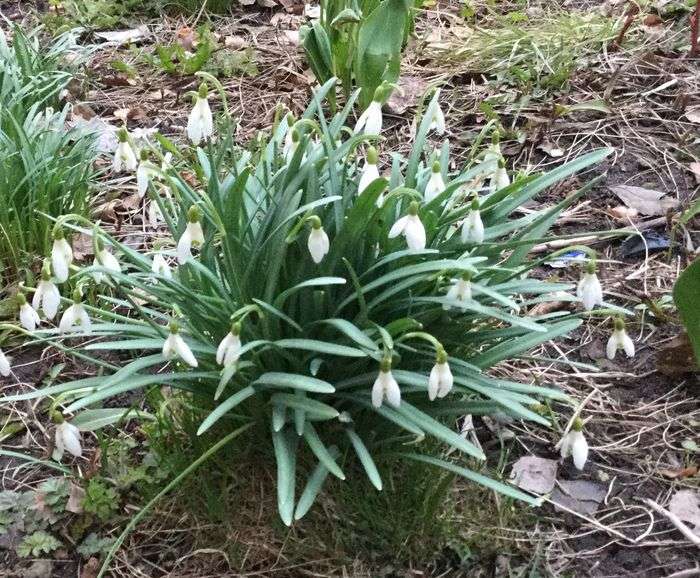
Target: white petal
184,351
28,317
434,187
196,234
398,227
5,368
392,390
184,247
233,351
143,175
565,445
223,346
446,379
59,447
38,294
51,300
370,173
378,391
67,319
415,233
433,382
318,244
611,347
473,228
70,436
627,344
61,258
579,449
83,319
169,347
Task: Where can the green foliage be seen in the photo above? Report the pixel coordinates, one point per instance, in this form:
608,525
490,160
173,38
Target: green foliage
44,167
314,336
686,294
100,499
37,544
358,42
93,14
174,59
94,545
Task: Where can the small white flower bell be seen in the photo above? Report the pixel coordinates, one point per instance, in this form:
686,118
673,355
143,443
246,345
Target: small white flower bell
175,346
200,123
28,318
370,121
441,380
370,172
47,296
288,139
192,237
160,266
103,258
411,227
574,444
385,386
144,173
67,438
589,290
436,184
620,340
124,157
229,349
5,368
460,291
61,256
437,122
499,178
318,242
75,318
473,226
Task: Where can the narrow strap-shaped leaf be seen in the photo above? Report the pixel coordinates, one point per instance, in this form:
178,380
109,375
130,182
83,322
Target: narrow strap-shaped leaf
224,407
320,451
365,458
295,381
312,406
353,332
313,487
285,456
320,347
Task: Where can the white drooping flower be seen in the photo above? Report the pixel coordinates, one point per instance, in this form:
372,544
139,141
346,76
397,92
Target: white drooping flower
499,178
441,380
61,257
229,349
175,346
103,258
192,237
67,438
160,266
385,387
460,291
47,296
370,172
166,164
574,444
200,123
75,318
144,173
411,227
124,156
28,318
288,137
370,121
620,340
5,368
589,290
318,242
473,226
436,184
437,122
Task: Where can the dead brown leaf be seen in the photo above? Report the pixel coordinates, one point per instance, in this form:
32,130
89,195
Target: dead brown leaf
186,37
679,473
686,505
411,88
534,474
90,569
548,307
137,113
645,201
676,357
236,42
75,499
693,115
82,247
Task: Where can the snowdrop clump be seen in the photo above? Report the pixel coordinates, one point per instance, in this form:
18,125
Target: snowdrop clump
302,305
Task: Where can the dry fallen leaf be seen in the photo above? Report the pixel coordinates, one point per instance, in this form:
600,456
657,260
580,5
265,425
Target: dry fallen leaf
646,201
693,115
550,149
686,505
411,88
90,569
82,247
695,169
124,36
579,495
186,38
75,499
235,42
534,474
679,473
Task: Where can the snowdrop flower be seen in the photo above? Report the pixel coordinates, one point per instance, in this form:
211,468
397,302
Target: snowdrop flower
493,153
318,242
499,178
192,237
229,349
28,318
294,140
411,227
124,157
370,172
103,258
385,386
144,173
436,184
200,124
473,226
589,290
175,346
61,256
46,295
461,291
370,121
619,340
288,142
437,123
5,368
440,381
166,164
75,318
574,444
67,438
160,266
